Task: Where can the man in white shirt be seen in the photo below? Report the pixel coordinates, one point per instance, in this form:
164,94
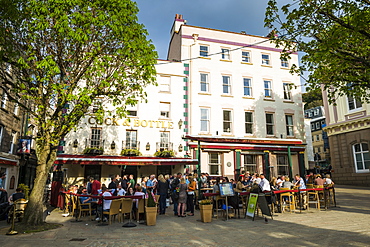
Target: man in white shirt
280,181
264,184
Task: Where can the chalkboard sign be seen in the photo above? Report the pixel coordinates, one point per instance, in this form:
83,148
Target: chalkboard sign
262,204
226,189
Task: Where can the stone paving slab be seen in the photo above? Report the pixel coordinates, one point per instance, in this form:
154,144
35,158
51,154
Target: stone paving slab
344,225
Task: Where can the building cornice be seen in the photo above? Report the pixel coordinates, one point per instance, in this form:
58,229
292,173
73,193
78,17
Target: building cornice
348,126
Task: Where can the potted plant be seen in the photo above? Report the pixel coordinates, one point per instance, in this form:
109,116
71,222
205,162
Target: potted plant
164,153
206,209
130,152
151,210
93,150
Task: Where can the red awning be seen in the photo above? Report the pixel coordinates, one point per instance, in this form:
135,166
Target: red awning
121,160
8,162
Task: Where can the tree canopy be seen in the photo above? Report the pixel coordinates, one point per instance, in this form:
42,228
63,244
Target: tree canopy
335,38
58,56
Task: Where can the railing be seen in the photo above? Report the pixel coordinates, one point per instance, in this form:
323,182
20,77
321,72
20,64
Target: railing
130,145
160,146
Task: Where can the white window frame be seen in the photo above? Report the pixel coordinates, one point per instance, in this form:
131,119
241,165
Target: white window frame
165,110
16,109
268,89
204,82
226,84
212,161
363,155
225,54
284,63
266,59
164,142
353,103
96,136
248,122
270,124
250,163
287,91
131,140
282,164
204,52
247,87
227,124
204,120
164,83
13,141
246,58
4,100
289,123
132,110
1,134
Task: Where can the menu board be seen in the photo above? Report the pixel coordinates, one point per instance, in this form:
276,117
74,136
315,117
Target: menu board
226,189
252,204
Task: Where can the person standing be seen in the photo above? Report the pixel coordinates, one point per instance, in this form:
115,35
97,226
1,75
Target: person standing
190,198
132,181
162,190
174,184
112,186
183,187
2,179
95,187
264,184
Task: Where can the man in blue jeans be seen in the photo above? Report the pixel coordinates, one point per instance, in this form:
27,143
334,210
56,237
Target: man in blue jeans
174,195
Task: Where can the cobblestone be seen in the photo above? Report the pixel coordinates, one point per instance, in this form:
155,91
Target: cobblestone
344,225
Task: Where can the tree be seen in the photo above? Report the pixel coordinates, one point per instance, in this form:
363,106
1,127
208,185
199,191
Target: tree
58,56
335,37
312,98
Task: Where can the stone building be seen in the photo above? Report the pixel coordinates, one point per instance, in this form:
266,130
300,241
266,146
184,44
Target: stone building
348,128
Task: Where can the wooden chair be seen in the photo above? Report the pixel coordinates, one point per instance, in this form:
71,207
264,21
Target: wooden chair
219,200
287,200
74,205
84,208
313,198
140,208
330,197
126,208
114,210
157,200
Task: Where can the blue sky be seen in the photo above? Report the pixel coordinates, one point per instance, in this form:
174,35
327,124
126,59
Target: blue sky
229,15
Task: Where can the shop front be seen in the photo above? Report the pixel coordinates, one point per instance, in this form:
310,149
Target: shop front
77,168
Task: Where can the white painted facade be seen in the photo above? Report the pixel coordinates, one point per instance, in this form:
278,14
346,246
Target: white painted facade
218,62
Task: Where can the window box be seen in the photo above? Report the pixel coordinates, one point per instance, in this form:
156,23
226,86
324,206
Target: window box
93,151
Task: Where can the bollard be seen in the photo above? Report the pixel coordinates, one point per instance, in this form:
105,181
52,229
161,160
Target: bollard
11,230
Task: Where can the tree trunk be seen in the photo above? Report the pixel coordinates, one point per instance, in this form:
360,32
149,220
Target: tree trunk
34,214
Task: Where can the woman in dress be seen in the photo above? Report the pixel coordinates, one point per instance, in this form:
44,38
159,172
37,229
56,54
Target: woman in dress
183,187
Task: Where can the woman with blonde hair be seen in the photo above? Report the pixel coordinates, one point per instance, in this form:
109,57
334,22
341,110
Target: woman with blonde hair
183,187
191,192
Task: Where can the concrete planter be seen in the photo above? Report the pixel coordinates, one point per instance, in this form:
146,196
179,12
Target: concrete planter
206,213
151,216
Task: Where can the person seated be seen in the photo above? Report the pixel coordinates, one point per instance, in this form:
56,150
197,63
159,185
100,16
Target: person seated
131,192
273,184
15,196
264,183
84,198
106,203
120,191
240,187
280,181
327,180
318,180
287,184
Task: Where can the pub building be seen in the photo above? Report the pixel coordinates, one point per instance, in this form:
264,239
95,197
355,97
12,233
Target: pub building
148,141
232,104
